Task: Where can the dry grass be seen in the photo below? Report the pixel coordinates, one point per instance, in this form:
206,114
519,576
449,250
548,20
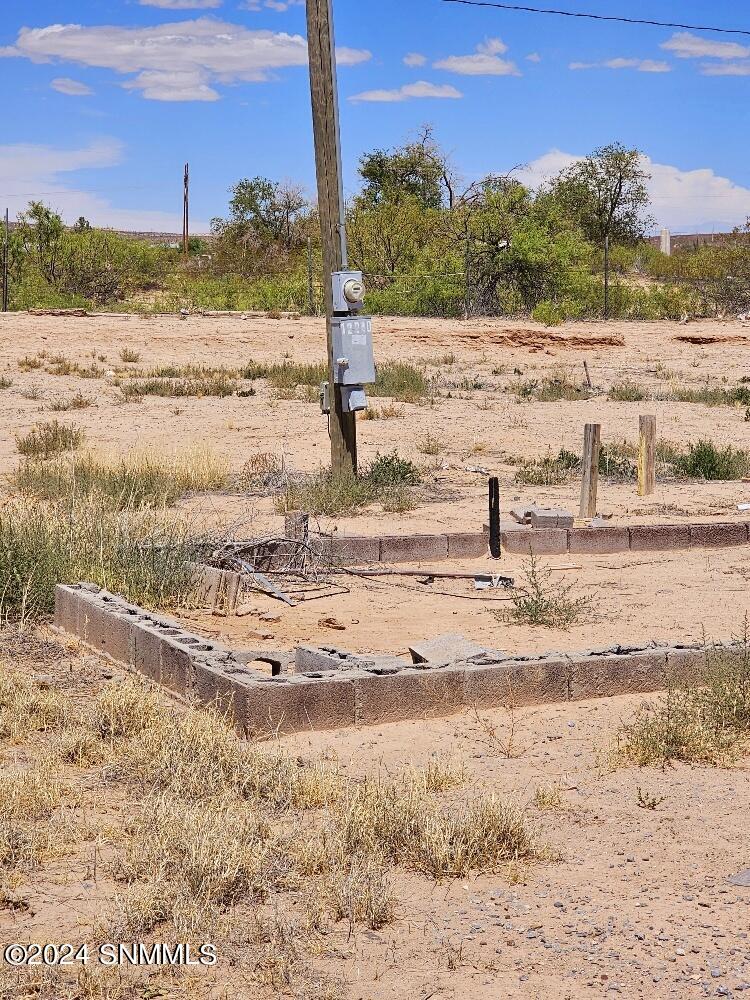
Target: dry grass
45,440
26,798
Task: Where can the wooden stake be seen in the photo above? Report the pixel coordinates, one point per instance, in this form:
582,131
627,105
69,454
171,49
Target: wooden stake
186,213
494,497
590,483
588,377
647,456
324,93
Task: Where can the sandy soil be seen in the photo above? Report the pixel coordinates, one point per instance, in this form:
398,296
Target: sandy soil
476,428
637,904
661,596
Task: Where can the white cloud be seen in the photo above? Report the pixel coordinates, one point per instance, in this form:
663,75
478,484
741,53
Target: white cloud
73,88
726,69
37,172
181,61
410,91
277,5
534,57
414,59
642,65
485,61
181,4
687,201
687,46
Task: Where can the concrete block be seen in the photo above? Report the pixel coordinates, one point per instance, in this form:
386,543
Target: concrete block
718,535
221,689
583,541
322,659
516,682
177,671
467,545
552,517
408,694
147,650
116,635
413,548
536,541
354,550
659,537
685,663
605,675
298,704
67,608
444,649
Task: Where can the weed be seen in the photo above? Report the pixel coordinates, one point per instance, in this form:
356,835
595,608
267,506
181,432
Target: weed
548,797
129,356
546,602
49,439
386,481
210,385
704,721
287,375
429,445
26,707
552,390
705,460
400,381
5,383
144,555
548,471
627,392
77,402
29,364
387,412
135,480
646,800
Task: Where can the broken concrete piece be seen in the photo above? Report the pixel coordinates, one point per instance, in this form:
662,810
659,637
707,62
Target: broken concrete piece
553,517
444,649
542,517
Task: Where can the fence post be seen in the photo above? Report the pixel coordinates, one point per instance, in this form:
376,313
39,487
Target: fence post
606,277
590,481
647,456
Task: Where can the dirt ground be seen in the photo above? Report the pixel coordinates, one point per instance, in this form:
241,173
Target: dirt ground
635,903
484,429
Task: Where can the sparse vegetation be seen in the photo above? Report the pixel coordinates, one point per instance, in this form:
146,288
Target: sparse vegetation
554,389
45,440
705,460
627,392
129,356
5,383
704,720
141,478
386,481
546,602
400,381
210,385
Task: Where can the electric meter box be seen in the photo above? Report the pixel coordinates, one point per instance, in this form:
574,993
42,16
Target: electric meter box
353,356
348,291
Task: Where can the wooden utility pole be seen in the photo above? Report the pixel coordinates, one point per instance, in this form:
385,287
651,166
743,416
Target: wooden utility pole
186,213
6,254
325,113
592,436
647,456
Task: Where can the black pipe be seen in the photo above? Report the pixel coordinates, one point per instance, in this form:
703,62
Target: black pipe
495,517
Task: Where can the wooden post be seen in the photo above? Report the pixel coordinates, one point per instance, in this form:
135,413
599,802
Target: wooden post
186,213
6,254
324,93
590,482
588,377
647,456
310,286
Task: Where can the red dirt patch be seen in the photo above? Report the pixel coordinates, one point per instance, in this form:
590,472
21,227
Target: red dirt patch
699,340
541,339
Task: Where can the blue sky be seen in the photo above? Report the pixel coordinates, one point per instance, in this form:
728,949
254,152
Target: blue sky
108,98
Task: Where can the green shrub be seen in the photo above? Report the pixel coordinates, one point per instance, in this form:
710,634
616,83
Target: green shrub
552,390
705,460
627,392
392,470
546,602
400,381
548,313
49,439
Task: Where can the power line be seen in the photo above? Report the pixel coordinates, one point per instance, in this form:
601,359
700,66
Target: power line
599,17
